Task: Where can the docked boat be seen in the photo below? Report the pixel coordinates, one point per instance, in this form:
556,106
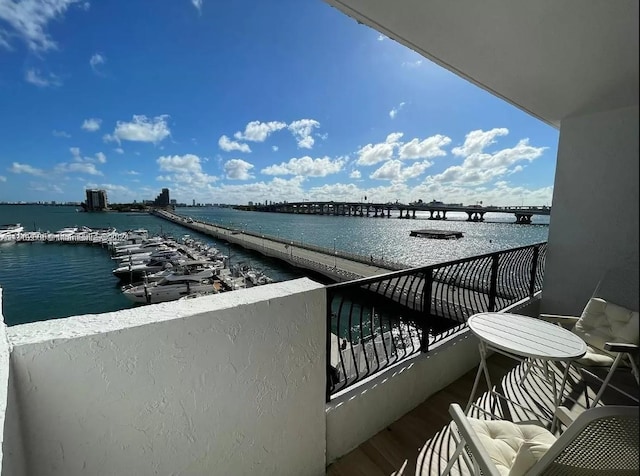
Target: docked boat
173,287
132,272
193,268
72,230
11,229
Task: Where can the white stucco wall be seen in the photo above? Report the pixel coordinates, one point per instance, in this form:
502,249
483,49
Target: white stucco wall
12,459
230,384
594,222
358,414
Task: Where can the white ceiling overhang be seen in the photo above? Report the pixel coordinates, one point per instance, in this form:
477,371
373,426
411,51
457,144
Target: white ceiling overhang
551,58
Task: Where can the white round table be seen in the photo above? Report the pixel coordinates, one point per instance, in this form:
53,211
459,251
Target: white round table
523,337
526,336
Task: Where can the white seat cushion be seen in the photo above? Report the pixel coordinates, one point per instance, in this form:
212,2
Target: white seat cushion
603,322
510,445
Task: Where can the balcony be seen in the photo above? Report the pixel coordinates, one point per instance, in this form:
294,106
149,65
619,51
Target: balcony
245,382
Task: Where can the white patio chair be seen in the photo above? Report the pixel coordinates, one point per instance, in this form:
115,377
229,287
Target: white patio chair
601,441
610,326
612,334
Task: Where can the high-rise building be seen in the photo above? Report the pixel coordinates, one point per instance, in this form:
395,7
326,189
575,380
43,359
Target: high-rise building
162,200
96,200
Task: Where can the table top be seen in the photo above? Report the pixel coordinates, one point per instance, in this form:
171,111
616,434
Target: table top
527,336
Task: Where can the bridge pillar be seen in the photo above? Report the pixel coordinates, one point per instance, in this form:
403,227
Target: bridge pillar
413,215
523,218
361,211
401,210
475,216
389,212
431,215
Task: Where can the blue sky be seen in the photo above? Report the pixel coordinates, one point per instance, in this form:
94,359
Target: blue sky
230,102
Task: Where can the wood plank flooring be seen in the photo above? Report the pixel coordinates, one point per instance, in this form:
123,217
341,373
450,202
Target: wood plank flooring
420,443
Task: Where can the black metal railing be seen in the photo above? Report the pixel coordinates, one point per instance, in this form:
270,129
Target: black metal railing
375,322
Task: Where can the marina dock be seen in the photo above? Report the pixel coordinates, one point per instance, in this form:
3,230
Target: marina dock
339,266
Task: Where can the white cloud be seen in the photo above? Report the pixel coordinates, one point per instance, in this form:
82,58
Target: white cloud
77,167
477,141
257,131
3,178
47,188
64,134
36,78
425,149
141,129
274,148
187,171
302,130
412,64
95,61
18,168
119,150
355,174
92,124
372,154
238,169
197,4
394,111
227,145
481,167
132,172
393,170
381,37
278,190
101,158
306,167
29,18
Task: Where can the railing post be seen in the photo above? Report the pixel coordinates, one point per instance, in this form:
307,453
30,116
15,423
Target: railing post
493,287
328,382
426,309
534,268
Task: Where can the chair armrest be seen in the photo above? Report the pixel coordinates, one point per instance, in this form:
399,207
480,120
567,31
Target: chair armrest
566,416
479,452
559,319
620,347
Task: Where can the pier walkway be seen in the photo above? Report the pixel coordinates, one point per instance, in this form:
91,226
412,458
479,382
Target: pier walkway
339,266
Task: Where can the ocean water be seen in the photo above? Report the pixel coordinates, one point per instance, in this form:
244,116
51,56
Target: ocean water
46,281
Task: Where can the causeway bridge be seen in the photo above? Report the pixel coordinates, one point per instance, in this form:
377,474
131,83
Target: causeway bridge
475,213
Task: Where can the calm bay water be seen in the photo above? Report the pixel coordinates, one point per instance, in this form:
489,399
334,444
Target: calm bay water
45,281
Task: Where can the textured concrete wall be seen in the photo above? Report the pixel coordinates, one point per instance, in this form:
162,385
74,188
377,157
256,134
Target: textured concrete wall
11,453
230,384
594,223
363,411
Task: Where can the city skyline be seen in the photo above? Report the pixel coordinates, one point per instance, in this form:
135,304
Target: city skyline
290,102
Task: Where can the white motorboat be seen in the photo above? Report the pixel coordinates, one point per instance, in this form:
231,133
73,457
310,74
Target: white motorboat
11,229
193,268
254,277
172,287
72,230
139,248
133,272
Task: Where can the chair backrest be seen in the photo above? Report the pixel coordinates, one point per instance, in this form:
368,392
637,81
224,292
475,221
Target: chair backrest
601,441
620,285
603,321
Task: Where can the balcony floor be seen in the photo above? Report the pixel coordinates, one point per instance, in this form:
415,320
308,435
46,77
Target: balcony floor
420,442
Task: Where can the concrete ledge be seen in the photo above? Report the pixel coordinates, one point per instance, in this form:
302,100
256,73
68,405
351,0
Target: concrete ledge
225,384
